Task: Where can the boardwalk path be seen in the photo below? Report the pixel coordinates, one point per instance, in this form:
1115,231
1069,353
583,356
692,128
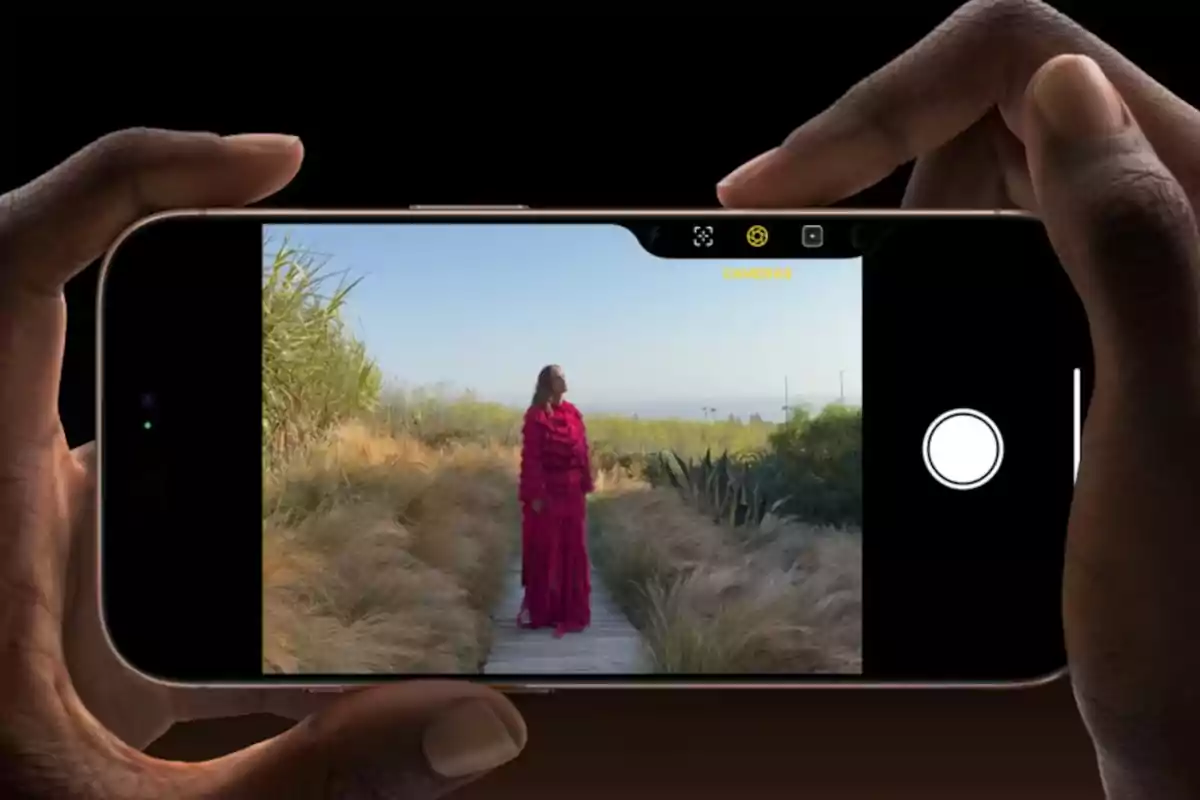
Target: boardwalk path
610,646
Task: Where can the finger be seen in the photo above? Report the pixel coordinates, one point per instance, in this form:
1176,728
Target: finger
1126,234
59,223
415,740
981,57
983,167
1014,168
190,704
1118,218
54,226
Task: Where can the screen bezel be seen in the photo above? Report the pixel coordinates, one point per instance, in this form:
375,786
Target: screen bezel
844,238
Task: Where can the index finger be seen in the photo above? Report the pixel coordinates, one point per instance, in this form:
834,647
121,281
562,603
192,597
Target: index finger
56,225
981,57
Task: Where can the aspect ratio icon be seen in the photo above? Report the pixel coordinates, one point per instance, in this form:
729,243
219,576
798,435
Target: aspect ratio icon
702,236
756,236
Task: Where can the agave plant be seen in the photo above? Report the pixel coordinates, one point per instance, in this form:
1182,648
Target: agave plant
728,489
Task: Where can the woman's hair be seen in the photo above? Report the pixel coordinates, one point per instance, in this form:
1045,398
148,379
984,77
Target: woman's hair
545,387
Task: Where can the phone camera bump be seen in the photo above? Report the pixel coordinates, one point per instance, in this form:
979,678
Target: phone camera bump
812,236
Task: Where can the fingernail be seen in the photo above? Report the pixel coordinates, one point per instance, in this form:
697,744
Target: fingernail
1077,100
467,739
746,171
263,141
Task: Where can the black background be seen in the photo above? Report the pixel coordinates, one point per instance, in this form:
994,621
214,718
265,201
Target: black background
561,110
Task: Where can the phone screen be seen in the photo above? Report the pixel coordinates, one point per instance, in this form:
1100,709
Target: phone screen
552,449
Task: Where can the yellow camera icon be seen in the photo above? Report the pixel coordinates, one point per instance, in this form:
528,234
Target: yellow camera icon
756,236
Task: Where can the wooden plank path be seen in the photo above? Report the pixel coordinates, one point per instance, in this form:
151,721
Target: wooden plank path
610,645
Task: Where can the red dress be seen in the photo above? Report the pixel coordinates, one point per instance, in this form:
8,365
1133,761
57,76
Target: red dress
555,469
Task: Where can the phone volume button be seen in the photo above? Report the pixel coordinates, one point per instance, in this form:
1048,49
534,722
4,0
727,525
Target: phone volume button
468,208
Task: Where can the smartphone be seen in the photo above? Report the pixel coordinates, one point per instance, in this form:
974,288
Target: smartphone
604,448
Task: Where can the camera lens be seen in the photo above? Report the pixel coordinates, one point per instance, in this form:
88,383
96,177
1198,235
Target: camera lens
812,235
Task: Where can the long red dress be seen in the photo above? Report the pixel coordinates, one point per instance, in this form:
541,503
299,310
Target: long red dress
555,469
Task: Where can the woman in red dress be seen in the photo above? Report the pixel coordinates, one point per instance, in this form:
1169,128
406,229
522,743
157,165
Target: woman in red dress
555,480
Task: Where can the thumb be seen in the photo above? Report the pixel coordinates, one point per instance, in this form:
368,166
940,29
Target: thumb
413,740
1125,232
1119,220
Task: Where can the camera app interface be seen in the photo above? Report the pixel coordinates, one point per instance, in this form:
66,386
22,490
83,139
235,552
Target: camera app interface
539,450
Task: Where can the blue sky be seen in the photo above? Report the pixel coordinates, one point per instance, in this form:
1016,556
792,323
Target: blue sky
484,307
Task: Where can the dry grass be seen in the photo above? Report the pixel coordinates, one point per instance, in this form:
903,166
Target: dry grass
381,555
781,598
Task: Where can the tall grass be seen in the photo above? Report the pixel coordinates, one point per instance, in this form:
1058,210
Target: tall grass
381,554
314,373
744,565
782,597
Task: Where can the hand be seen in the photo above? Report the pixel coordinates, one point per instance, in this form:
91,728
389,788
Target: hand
1114,180
73,717
537,506
954,102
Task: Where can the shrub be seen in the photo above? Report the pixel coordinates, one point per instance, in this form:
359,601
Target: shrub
816,462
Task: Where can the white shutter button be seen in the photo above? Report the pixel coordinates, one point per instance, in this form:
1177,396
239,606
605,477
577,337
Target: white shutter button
963,449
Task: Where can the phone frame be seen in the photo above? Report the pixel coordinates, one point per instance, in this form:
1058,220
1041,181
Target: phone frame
474,212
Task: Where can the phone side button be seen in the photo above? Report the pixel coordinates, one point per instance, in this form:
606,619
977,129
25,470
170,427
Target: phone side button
468,208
